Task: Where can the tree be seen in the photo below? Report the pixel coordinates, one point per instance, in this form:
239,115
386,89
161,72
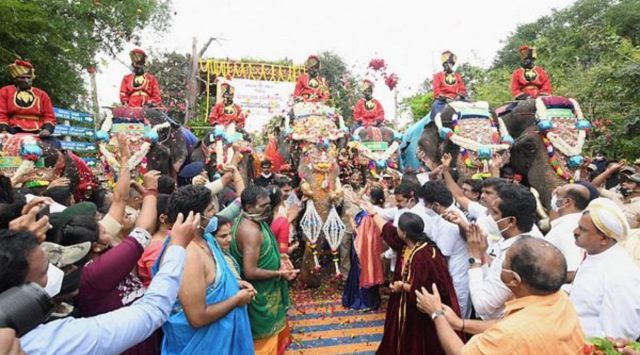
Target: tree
171,71
342,84
62,37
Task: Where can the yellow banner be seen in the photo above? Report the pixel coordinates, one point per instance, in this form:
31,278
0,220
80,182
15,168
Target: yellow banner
252,71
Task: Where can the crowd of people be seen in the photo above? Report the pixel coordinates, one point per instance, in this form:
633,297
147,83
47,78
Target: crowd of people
199,264
205,266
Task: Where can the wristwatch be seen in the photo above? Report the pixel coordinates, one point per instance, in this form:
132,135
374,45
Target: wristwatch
437,314
473,261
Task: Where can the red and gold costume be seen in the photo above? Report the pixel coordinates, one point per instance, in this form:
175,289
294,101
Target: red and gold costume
533,82
312,89
29,110
368,112
449,85
138,90
225,114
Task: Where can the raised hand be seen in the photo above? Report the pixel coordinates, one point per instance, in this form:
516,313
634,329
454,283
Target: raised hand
184,230
446,160
59,182
151,180
477,241
29,223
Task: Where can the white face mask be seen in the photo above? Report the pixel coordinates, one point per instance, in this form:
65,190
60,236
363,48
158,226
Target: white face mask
494,229
554,203
54,280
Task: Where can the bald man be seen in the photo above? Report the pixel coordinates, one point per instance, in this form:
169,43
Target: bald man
534,270
568,202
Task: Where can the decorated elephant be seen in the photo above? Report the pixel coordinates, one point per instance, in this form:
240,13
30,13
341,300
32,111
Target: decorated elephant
312,149
549,134
468,131
375,149
156,141
31,163
220,146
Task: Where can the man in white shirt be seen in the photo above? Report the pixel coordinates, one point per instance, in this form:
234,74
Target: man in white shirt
568,201
513,212
605,291
448,238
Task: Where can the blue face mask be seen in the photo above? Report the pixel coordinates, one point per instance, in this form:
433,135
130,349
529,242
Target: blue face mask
212,226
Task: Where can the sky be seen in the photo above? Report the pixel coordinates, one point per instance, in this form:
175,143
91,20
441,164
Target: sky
408,35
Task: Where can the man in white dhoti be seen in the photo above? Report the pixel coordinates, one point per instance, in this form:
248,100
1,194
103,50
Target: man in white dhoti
605,290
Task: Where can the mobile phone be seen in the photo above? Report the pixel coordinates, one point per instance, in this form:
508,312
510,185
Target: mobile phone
44,211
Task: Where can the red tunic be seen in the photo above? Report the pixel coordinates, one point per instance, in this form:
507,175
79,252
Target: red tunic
406,329
139,92
224,115
29,110
311,90
448,86
368,112
534,82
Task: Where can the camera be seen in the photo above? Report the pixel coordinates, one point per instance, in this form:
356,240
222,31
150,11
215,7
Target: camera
24,307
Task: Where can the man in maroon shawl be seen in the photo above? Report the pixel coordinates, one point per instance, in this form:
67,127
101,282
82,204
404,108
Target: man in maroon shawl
419,263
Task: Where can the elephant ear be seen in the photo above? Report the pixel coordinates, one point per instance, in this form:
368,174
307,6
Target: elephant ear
430,143
523,153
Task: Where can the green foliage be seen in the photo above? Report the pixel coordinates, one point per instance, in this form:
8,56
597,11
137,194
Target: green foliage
591,52
342,84
62,37
171,71
419,105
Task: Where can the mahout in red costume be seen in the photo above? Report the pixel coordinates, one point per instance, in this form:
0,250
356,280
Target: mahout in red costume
530,80
139,88
368,111
311,87
226,112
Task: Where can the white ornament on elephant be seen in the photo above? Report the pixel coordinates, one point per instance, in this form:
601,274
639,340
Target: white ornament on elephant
311,225
334,230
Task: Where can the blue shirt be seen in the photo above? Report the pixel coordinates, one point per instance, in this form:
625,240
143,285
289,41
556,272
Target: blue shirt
117,331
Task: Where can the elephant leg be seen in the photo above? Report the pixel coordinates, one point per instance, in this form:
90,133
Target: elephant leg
309,276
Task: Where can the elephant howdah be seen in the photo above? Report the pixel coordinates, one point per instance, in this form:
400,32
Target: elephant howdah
467,131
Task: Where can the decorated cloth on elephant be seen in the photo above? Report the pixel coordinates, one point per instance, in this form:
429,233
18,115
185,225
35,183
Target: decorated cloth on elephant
139,88
529,80
24,108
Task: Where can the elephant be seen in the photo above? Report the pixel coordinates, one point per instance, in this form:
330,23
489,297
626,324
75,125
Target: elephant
310,146
33,164
207,151
376,150
549,135
157,142
470,132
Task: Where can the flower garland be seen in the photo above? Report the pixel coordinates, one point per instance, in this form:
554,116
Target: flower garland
554,142
334,230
